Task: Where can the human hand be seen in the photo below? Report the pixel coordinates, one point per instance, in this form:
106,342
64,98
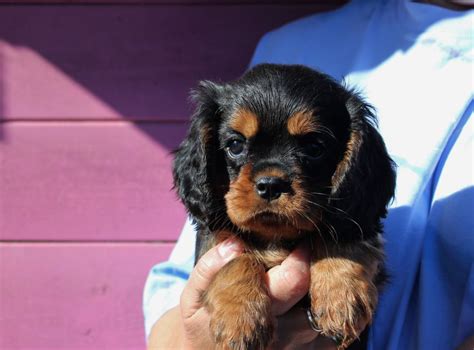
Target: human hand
187,326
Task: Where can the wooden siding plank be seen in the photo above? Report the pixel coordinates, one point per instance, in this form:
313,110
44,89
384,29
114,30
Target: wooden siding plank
88,181
74,296
133,62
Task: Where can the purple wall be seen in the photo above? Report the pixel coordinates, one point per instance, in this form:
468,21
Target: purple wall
92,100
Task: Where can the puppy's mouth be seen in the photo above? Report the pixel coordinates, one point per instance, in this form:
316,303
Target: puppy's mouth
271,225
269,218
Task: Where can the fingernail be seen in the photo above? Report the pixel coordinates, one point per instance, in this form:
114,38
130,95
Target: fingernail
230,248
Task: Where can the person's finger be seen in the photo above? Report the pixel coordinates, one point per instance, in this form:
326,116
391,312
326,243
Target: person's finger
204,271
289,282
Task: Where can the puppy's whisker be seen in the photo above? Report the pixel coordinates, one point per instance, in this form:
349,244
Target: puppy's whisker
326,195
319,194
348,217
317,229
319,205
337,211
291,219
219,220
332,231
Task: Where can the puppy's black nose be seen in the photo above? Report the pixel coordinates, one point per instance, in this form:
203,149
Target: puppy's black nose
271,187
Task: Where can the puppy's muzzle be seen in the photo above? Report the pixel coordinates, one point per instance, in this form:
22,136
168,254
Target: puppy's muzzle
271,187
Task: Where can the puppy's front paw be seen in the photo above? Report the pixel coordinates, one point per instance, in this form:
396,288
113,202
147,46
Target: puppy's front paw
343,304
241,322
240,307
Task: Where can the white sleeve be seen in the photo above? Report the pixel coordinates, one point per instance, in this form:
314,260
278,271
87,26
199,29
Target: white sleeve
166,280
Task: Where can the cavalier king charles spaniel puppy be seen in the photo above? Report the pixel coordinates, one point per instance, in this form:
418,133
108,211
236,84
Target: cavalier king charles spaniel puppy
281,155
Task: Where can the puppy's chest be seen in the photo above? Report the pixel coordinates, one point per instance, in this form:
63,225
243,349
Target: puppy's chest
269,254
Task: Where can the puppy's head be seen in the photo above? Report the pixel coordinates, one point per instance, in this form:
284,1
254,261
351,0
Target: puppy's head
282,151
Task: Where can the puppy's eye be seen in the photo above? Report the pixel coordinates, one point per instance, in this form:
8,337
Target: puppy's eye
235,148
315,150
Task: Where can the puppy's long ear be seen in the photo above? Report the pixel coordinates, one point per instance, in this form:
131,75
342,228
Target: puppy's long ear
364,180
197,159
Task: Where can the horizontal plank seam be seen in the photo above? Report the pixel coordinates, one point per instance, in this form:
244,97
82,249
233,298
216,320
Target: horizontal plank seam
88,241
94,120
236,3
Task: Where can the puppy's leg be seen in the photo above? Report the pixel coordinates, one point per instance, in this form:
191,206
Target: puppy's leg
240,307
343,293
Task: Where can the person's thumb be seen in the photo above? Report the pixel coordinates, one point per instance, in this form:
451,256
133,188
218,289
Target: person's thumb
204,271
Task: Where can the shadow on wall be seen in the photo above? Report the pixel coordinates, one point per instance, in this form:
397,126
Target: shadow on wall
133,62
35,88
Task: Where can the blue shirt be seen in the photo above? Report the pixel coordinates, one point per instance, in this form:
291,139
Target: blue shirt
414,63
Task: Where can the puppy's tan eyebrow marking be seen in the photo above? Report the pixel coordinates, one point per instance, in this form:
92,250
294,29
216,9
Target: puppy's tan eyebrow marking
301,123
245,122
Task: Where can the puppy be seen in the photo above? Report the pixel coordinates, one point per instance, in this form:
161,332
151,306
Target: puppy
281,155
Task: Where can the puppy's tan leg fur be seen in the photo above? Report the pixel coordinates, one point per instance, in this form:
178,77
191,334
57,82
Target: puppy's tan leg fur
343,294
239,305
